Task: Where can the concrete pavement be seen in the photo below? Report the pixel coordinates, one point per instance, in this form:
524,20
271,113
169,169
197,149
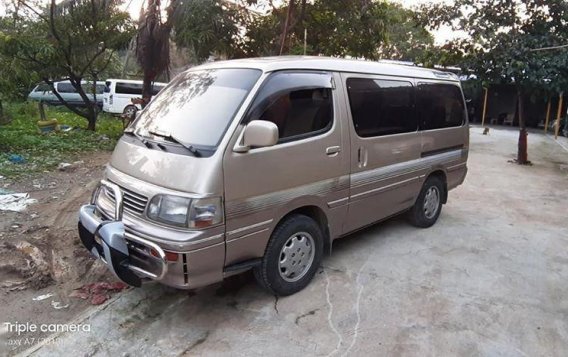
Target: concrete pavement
490,278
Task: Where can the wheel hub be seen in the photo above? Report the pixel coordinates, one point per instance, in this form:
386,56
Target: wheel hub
431,202
296,257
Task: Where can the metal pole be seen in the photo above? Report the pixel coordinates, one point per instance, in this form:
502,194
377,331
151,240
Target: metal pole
547,115
558,113
484,107
305,40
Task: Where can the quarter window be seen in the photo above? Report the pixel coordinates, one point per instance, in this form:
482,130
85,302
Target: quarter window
440,106
381,107
300,104
66,88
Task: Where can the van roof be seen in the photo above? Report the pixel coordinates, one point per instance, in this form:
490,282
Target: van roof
269,64
130,81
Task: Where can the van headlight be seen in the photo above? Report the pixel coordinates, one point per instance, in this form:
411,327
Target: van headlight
185,212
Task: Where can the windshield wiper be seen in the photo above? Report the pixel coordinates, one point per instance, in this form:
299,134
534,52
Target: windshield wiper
139,137
170,137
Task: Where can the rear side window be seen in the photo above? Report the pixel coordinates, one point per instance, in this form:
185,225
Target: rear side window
128,88
157,88
381,107
44,87
88,88
65,88
300,104
440,106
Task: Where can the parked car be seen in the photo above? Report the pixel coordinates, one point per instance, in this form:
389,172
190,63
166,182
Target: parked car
262,163
118,95
43,92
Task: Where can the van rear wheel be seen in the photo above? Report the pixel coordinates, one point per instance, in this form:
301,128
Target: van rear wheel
292,256
130,111
428,205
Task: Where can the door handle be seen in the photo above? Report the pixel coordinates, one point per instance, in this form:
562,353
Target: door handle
362,157
333,150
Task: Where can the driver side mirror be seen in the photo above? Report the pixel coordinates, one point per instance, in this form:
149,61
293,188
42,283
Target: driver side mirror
258,133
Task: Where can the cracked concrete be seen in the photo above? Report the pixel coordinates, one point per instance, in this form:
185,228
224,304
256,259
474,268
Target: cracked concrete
490,278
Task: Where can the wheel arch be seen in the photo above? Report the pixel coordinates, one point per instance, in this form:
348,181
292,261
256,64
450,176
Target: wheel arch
441,174
318,215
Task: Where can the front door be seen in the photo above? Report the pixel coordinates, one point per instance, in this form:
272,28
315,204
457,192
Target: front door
385,146
308,166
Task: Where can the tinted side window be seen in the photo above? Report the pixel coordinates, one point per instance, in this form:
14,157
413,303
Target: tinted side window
65,88
88,88
440,106
156,89
381,107
107,87
128,88
300,104
43,87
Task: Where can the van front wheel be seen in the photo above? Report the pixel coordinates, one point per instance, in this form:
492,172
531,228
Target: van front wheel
292,256
428,206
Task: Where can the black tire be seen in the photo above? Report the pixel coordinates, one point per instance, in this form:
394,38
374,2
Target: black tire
268,273
418,213
130,110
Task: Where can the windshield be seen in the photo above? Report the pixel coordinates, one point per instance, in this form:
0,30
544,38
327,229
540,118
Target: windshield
197,106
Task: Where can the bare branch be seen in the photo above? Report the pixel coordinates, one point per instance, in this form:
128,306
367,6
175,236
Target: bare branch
549,48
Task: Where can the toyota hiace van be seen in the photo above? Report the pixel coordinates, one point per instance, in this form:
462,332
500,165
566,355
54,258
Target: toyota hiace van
262,163
118,95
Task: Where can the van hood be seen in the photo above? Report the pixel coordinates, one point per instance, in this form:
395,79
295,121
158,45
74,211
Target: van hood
185,173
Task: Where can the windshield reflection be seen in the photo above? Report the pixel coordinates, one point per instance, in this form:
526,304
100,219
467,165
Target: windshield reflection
197,106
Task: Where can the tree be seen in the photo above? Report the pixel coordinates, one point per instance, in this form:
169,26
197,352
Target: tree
210,27
407,40
500,42
152,44
204,26
335,28
15,81
74,40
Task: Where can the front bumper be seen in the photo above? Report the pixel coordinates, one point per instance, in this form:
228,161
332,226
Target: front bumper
130,258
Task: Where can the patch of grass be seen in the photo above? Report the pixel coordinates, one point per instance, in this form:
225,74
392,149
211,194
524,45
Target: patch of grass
43,152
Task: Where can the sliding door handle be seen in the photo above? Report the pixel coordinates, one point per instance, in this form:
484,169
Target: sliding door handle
333,150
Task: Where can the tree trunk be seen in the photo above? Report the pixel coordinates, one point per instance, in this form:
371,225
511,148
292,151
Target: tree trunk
522,152
149,76
92,123
41,109
88,113
3,119
286,25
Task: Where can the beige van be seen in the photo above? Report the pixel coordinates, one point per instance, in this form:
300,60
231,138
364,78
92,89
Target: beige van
262,163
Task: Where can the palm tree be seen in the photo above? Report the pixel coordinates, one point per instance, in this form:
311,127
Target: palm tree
152,44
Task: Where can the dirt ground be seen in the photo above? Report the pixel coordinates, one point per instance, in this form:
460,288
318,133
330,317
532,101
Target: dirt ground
490,278
40,250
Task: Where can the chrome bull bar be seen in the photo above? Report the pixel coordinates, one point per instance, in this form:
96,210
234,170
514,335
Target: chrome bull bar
87,218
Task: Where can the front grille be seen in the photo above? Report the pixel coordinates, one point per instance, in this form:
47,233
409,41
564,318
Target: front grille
132,202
